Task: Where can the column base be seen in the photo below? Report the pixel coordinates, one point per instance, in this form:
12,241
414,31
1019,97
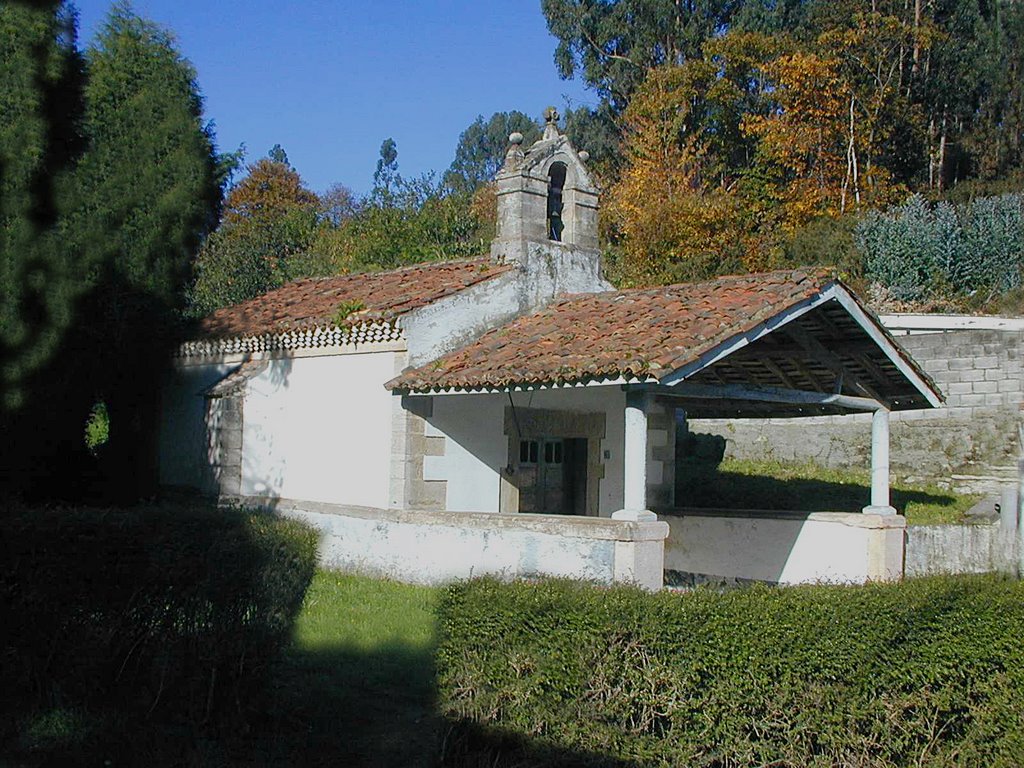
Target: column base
879,510
635,515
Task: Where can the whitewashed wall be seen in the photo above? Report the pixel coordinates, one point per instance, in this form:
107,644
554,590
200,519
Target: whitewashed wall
319,428
611,400
184,448
438,547
785,548
935,549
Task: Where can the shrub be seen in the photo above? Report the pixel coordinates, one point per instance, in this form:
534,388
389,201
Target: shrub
164,611
910,249
918,250
927,673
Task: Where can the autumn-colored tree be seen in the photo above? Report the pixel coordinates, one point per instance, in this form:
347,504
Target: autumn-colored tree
673,213
803,142
839,110
270,219
686,204
272,189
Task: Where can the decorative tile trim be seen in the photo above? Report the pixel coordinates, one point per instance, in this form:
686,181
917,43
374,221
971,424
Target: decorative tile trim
309,338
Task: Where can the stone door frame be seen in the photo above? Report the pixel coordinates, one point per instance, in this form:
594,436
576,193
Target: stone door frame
539,423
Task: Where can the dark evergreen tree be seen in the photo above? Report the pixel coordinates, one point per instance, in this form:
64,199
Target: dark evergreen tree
596,132
149,192
40,108
41,105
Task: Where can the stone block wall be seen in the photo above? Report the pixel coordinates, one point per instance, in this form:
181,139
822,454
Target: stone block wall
412,441
971,444
977,370
224,450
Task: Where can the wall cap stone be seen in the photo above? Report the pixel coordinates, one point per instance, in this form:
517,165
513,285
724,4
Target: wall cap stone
555,525
851,519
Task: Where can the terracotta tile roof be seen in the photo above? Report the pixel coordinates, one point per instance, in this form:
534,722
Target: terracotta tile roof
380,296
632,333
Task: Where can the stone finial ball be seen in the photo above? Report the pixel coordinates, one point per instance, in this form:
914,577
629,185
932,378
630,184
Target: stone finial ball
584,156
515,138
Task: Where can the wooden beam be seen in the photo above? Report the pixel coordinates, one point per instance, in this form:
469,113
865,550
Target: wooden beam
872,367
884,341
830,360
821,318
734,409
683,391
806,373
778,373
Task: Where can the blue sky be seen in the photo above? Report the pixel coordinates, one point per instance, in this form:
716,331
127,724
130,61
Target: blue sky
330,81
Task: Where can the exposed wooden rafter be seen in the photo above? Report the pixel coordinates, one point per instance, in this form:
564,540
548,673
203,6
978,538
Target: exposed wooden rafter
832,361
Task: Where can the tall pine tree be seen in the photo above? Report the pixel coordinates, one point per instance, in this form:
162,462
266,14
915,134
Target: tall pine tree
148,184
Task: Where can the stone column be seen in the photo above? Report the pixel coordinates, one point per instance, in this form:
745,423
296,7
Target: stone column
880,504
634,454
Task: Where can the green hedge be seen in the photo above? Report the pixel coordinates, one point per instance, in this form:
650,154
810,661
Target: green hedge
170,612
927,673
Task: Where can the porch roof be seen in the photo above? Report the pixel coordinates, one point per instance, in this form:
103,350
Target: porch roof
794,331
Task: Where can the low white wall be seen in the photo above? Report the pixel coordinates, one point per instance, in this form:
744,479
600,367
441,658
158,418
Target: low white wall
935,549
784,548
439,547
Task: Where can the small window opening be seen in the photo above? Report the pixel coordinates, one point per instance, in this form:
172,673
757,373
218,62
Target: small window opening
556,183
553,452
528,451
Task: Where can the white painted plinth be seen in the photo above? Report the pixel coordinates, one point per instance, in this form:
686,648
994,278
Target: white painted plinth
635,515
641,560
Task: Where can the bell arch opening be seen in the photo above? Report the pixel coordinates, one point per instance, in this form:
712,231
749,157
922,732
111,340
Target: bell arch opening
556,205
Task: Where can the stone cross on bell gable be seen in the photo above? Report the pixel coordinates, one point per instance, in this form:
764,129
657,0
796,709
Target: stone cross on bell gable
551,124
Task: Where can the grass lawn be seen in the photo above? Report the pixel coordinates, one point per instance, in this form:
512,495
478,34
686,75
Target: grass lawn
738,484
357,686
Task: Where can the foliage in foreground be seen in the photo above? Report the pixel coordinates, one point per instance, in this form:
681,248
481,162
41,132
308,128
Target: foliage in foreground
118,618
926,673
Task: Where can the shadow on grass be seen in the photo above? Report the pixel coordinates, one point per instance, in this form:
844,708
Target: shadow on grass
340,707
735,490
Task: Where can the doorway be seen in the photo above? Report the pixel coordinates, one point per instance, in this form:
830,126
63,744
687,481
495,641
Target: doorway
552,475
